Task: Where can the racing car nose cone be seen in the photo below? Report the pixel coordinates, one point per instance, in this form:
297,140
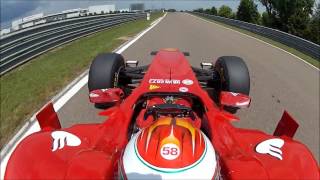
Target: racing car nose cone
177,148
170,49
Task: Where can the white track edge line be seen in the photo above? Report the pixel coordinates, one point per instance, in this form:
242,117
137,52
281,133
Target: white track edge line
202,18
59,100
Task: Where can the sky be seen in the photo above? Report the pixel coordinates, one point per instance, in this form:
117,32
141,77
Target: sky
15,9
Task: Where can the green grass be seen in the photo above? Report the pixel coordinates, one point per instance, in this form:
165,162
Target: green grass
28,87
300,54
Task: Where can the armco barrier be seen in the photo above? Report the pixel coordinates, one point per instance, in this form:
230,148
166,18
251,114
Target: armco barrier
290,40
21,46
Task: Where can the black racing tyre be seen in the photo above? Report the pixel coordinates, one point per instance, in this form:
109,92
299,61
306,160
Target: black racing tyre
104,73
234,74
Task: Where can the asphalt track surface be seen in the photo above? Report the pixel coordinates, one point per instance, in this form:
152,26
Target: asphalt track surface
279,81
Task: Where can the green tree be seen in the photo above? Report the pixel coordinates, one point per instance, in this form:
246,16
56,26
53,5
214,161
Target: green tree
247,11
314,27
172,10
233,16
225,11
207,11
200,10
266,20
289,15
268,5
214,11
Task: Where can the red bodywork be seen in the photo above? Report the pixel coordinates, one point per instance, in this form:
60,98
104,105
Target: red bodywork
102,144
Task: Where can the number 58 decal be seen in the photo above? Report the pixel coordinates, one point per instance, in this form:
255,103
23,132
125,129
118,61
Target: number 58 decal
170,151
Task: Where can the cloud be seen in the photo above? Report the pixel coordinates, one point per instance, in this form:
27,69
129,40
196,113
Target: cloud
11,9
15,9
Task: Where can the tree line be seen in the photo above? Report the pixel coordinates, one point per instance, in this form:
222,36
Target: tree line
297,17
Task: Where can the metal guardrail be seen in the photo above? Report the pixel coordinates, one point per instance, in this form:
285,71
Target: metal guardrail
290,40
18,47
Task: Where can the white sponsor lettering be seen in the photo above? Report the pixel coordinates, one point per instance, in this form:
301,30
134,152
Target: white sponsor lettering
271,147
167,81
183,89
60,138
93,95
104,90
246,103
234,94
164,81
187,82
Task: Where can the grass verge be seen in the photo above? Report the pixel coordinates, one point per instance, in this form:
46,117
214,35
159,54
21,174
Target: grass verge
300,54
28,87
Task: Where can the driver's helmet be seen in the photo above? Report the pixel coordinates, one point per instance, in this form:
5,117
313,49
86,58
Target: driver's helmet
170,148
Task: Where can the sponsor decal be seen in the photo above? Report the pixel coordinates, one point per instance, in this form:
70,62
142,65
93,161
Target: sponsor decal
183,89
93,95
170,151
246,103
271,147
234,94
164,81
104,90
170,146
62,138
187,82
153,87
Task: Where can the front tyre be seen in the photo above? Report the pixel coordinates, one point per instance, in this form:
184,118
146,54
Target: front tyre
104,73
234,74
234,77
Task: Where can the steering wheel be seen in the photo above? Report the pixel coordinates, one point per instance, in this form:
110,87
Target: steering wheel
172,109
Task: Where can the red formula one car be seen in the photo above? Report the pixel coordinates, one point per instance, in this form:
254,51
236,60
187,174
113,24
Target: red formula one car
167,120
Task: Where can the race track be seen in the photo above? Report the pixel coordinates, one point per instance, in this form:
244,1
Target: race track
279,81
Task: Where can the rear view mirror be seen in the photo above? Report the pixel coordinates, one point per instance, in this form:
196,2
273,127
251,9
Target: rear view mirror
48,118
232,99
287,126
102,96
153,53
